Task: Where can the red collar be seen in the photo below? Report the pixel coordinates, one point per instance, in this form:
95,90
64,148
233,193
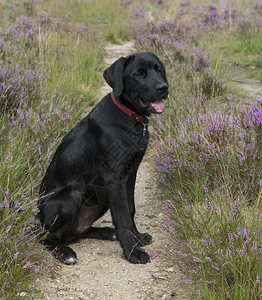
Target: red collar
129,112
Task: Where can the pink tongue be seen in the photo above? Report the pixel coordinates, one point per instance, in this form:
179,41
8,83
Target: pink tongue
159,106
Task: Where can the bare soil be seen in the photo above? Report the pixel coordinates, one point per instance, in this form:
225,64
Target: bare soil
252,86
101,271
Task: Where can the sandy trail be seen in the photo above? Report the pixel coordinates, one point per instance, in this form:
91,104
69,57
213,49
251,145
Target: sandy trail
101,271
252,86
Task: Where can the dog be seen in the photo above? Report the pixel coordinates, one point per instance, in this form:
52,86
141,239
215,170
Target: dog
94,168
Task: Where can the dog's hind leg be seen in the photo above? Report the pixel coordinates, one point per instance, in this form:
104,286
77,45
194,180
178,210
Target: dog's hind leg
101,233
90,215
62,252
59,214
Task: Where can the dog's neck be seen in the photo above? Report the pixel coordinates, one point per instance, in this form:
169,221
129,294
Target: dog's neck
130,112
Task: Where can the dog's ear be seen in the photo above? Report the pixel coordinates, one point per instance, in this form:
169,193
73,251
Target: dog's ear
114,76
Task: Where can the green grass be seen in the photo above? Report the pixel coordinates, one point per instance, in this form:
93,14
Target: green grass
228,50
107,17
75,66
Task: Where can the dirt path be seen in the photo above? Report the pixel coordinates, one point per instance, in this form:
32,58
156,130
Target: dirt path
251,85
101,271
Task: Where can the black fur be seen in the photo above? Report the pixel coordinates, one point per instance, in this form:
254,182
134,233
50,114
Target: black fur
95,166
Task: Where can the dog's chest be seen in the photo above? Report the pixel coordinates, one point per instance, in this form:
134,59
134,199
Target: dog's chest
137,137
126,152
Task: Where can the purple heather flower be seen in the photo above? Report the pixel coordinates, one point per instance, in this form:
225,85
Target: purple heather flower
187,280
27,265
230,238
191,248
215,267
196,259
199,217
205,242
180,253
254,246
188,207
211,206
257,279
192,271
222,4
208,258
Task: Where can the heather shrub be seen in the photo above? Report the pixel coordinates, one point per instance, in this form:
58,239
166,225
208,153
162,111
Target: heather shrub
211,18
207,164
216,243
19,254
18,85
29,136
34,125
207,150
238,31
48,66
20,80
202,146
24,31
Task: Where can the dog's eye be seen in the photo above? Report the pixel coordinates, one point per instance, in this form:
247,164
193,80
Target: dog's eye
157,68
140,72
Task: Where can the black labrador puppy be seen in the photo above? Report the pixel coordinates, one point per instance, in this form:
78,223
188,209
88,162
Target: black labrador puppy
94,169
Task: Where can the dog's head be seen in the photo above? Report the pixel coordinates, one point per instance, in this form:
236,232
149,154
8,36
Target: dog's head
139,81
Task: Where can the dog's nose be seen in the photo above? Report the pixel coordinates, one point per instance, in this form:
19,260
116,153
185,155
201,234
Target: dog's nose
162,88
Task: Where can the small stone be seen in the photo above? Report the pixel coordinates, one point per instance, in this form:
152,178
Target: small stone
170,269
22,294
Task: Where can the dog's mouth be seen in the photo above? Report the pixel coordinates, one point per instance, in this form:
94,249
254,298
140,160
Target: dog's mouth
157,106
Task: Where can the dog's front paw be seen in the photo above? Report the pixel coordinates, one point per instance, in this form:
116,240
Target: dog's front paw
144,239
66,255
138,257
